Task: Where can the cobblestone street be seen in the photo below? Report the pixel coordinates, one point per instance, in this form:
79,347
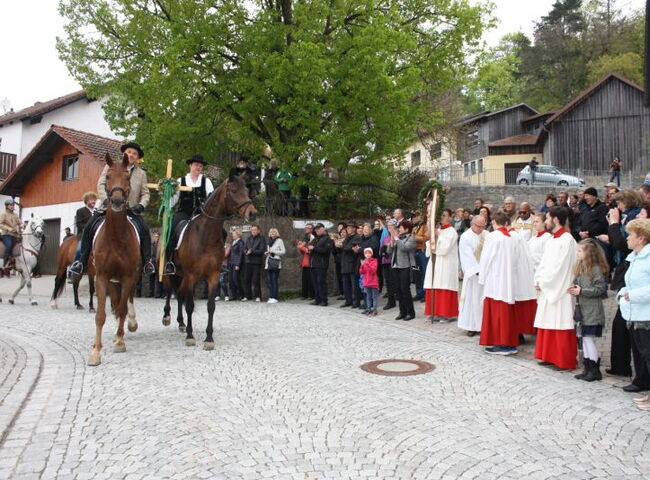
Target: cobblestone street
282,396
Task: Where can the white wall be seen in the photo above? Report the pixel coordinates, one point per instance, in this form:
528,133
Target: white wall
426,162
11,138
80,115
64,211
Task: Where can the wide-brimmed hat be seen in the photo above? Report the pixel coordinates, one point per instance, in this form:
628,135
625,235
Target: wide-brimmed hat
132,145
196,159
611,184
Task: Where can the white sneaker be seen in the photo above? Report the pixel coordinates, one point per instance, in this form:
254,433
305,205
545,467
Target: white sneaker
226,299
258,299
244,299
216,299
272,300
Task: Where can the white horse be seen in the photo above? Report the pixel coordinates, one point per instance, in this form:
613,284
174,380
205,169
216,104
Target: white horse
27,258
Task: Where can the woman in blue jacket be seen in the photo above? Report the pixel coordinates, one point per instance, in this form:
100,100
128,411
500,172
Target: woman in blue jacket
634,297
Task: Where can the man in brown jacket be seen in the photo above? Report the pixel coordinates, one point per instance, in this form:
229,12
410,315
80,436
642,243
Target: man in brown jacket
10,225
137,201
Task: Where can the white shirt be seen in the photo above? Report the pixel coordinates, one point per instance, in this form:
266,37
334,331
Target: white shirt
190,183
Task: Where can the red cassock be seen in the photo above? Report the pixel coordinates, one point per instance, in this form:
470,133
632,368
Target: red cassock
525,316
499,326
559,347
446,303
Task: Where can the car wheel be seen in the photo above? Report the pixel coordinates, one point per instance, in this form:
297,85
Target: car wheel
563,183
523,181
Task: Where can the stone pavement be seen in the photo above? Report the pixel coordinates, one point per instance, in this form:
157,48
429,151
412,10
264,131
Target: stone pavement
282,396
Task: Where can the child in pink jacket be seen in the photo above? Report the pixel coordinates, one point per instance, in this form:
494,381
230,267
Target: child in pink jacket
368,271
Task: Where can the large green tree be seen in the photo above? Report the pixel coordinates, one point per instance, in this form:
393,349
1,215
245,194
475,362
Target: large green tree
336,79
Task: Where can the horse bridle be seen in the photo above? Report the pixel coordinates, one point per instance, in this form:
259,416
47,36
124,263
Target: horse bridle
125,193
237,209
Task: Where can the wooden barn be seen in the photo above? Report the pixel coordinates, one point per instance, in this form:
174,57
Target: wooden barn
53,177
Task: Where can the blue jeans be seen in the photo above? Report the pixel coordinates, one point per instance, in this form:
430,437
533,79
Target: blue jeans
372,297
616,174
222,286
9,241
421,260
273,276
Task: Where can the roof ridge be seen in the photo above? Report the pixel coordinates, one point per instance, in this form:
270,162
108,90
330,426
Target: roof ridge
55,126
42,107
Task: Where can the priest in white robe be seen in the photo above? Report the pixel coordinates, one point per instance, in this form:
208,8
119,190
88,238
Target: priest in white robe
470,248
556,338
442,306
497,275
538,241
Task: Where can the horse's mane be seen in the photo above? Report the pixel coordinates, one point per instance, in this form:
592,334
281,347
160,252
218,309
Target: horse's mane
217,191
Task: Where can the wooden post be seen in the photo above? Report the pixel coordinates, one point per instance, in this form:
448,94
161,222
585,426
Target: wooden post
166,213
433,210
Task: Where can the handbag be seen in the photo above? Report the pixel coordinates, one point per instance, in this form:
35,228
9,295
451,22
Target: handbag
577,314
273,263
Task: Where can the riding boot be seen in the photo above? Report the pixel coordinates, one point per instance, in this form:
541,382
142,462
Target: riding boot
170,268
78,266
145,250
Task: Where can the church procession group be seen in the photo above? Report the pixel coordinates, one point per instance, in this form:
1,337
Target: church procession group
529,276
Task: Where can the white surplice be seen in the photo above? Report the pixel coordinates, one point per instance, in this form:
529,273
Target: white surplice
497,266
536,248
554,275
524,228
524,271
470,315
445,271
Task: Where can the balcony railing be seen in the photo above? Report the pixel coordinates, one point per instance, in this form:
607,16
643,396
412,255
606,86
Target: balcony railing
7,164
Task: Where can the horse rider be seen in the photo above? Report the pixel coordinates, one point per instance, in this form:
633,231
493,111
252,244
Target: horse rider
10,228
81,218
187,202
137,201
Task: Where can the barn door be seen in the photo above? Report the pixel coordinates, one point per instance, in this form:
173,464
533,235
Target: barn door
52,230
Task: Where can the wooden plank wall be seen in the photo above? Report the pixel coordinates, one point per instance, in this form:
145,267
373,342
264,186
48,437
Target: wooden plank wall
612,122
47,188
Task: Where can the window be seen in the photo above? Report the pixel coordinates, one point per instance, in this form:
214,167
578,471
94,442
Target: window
480,165
473,168
466,169
436,150
70,168
471,139
415,159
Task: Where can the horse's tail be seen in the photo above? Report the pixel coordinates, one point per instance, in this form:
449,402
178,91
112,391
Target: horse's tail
64,258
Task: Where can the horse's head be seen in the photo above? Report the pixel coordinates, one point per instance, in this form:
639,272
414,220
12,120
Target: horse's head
35,226
237,199
117,183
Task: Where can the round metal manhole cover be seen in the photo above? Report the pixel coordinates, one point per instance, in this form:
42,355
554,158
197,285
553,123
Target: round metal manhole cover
393,367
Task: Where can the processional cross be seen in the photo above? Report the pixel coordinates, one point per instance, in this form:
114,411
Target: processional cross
167,188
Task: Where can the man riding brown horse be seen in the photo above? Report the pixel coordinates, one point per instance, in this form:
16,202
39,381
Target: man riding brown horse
138,199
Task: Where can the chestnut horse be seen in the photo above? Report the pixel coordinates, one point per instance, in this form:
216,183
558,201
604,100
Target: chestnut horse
64,258
117,260
201,253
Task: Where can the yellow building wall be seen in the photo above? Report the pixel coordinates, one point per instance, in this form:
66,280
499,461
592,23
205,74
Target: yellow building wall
494,168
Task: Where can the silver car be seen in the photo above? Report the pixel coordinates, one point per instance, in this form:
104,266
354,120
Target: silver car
550,175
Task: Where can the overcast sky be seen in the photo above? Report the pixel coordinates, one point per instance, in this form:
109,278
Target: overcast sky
32,71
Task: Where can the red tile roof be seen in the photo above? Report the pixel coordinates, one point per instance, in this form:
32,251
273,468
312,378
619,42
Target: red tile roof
41,108
525,139
88,143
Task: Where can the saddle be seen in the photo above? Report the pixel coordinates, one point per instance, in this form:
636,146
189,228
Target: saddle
97,226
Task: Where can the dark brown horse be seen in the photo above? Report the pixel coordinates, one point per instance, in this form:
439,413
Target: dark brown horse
117,260
64,258
201,253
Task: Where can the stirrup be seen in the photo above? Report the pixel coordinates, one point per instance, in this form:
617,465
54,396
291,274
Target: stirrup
170,268
76,268
148,268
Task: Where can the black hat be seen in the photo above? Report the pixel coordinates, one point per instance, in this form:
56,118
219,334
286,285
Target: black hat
196,159
318,225
132,145
591,191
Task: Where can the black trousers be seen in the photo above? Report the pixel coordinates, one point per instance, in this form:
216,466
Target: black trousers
319,280
389,281
253,281
641,340
621,348
350,293
402,278
339,278
307,287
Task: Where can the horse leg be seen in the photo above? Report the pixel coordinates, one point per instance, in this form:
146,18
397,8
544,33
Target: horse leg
167,318
58,286
29,289
189,309
180,300
91,290
94,358
121,305
133,324
20,287
75,291
212,293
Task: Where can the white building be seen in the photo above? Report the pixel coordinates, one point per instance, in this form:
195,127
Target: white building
429,155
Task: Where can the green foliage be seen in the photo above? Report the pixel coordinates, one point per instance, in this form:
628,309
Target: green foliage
629,65
336,79
424,194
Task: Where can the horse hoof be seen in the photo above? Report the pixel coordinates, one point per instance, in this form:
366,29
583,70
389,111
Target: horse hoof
190,342
208,345
93,360
54,306
132,328
11,302
119,348
181,328
167,321
34,302
91,310
79,307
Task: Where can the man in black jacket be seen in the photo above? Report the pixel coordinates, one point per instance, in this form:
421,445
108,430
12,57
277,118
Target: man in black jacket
320,248
254,249
351,290
593,219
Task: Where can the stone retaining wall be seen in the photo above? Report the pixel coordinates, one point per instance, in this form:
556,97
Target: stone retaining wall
464,196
